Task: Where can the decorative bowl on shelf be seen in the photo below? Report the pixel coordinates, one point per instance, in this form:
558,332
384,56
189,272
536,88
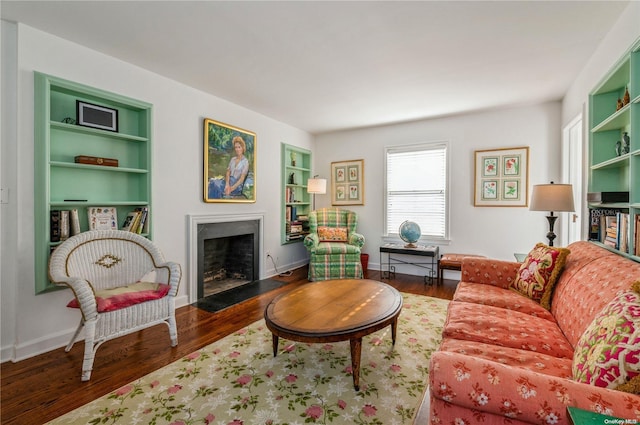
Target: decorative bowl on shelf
410,233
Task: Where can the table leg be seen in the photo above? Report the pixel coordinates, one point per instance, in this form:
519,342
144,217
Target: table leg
356,351
274,338
394,330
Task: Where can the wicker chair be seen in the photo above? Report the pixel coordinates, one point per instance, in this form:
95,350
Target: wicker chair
336,254
121,283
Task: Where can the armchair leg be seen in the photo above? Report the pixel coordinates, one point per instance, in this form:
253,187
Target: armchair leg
173,330
89,349
75,335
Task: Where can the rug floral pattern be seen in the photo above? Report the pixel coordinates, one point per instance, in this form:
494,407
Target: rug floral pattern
237,381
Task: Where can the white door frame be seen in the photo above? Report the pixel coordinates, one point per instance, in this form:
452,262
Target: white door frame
572,173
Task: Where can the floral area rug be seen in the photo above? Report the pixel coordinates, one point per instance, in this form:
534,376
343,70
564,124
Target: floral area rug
236,380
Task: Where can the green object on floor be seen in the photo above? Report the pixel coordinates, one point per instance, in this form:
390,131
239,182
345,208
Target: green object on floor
585,417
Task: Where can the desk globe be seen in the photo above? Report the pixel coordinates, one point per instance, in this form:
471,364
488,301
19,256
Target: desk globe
410,233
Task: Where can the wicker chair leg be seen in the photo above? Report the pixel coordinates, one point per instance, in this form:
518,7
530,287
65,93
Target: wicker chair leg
75,335
89,349
173,330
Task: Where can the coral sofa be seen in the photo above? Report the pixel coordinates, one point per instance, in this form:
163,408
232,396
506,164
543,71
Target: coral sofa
505,359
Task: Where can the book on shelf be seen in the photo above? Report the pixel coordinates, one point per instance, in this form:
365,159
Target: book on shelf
54,225
64,225
74,222
596,224
636,237
137,221
102,218
129,220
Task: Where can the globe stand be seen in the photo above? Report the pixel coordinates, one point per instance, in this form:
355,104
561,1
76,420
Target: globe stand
411,245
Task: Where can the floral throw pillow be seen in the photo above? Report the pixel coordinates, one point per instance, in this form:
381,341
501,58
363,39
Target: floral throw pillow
608,352
332,234
539,272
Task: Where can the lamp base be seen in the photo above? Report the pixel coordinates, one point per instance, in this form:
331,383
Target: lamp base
550,235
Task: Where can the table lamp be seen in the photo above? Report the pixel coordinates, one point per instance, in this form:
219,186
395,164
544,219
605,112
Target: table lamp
552,197
316,186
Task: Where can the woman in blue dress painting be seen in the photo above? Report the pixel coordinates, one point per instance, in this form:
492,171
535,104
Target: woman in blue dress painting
237,170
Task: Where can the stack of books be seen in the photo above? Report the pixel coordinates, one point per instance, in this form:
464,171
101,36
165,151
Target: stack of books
137,221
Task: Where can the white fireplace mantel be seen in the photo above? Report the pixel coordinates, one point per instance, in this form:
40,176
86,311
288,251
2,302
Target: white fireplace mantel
194,220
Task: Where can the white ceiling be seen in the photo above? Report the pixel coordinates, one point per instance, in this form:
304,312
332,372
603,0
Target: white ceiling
323,66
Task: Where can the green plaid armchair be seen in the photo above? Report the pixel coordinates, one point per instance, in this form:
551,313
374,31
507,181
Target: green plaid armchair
333,244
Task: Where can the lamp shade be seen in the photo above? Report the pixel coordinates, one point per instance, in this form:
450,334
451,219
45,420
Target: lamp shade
317,186
552,197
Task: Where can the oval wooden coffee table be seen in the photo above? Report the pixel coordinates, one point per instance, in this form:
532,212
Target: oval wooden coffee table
335,310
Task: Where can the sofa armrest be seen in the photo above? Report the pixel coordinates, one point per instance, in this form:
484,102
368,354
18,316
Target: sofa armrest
533,397
489,271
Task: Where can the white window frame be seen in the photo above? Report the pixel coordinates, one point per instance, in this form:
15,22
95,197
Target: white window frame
424,239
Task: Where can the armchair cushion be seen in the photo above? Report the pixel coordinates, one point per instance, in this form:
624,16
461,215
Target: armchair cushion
332,234
539,273
125,296
608,353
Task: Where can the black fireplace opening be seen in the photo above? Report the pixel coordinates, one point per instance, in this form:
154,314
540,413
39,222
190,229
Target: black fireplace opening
228,256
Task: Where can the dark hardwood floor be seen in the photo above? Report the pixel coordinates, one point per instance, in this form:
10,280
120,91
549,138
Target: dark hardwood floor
42,388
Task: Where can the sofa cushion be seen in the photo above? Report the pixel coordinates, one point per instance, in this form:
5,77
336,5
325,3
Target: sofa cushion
539,273
524,359
499,297
608,353
340,248
125,296
507,328
332,234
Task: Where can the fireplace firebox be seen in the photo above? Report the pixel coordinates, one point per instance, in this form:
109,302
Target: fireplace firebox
228,255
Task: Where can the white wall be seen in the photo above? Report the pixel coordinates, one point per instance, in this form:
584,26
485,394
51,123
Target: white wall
491,231
33,324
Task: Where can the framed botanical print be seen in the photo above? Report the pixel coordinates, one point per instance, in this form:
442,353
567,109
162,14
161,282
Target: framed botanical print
347,182
229,163
501,177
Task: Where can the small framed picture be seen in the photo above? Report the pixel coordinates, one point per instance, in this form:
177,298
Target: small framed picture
95,116
501,177
347,182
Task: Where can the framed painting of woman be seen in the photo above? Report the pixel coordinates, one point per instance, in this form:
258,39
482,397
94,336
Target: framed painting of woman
229,163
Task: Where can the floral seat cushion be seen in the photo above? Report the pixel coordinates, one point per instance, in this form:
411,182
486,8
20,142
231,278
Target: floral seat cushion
126,296
506,328
498,297
524,359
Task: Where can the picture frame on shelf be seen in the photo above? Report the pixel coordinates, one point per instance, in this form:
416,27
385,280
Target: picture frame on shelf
501,177
96,116
229,163
347,182
102,218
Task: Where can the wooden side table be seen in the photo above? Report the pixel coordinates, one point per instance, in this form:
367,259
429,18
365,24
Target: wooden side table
431,252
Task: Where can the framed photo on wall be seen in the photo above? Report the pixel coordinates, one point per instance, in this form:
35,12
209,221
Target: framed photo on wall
229,163
347,182
501,177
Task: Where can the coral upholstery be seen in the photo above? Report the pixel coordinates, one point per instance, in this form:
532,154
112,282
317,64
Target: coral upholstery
330,257
505,359
113,262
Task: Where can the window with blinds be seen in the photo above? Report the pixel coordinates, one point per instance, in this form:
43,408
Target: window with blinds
416,188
